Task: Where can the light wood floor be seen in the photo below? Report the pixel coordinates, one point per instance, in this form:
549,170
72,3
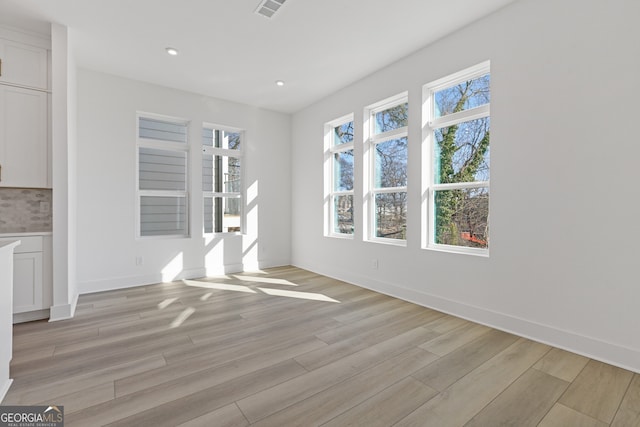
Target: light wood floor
291,348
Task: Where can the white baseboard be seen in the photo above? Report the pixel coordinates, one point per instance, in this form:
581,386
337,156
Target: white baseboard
114,283
30,316
64,311
5,388
613,354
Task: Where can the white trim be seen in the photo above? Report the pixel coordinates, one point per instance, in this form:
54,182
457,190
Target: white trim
5,388
63,312
460,185
429,125
168,146
460,117
372,139
237,153
330,194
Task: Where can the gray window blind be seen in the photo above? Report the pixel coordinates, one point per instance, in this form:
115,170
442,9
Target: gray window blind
162,169
162,178
161,216
162,131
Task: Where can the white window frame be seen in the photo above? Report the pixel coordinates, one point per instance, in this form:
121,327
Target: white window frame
225,152
371,139
167,146
330,193
430,125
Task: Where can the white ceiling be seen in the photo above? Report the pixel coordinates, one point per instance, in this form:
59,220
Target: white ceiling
227,51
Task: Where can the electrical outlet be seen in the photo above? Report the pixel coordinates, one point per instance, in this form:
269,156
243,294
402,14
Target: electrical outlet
374,263
139,260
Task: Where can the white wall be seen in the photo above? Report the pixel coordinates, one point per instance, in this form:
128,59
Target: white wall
564,150
106,244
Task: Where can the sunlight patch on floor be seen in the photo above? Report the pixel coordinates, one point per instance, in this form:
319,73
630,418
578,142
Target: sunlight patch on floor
182,317
264,280
295,294
219,286
166,303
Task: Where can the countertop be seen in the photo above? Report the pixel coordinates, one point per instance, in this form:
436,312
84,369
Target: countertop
13,243
31,233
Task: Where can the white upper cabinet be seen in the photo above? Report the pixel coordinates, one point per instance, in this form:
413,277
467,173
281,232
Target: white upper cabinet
24,160
23,64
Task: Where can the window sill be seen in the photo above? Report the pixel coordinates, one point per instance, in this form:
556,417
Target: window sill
459,250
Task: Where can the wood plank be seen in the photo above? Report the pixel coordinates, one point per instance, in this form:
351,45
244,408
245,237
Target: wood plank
270,401
598,390
384,319
50,390
446,324
629,412
227,416
474,391
333,401
561,416
218,368
455,365
82,398
387,407
454,339
524,403
562,364
176,403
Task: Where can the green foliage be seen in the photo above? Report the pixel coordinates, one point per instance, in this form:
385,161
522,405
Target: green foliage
449,203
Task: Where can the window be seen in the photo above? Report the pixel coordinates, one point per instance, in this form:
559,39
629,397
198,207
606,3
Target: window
162,177
457,132
222,179
339,135
387,146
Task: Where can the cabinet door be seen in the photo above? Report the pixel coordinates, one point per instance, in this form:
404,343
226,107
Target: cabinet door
23,64
23,138
27,282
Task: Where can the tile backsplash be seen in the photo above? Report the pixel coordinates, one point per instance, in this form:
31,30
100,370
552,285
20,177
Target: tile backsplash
25,210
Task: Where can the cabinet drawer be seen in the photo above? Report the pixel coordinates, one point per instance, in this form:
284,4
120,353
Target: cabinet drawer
28,243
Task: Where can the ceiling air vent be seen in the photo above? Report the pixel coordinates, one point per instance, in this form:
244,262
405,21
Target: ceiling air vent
268,8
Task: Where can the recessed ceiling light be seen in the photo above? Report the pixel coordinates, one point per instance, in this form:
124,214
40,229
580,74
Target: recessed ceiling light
172,51
279,83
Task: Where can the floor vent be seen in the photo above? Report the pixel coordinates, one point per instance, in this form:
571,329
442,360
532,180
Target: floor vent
268,8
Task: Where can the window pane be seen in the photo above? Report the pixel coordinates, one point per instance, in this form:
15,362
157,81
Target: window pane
343,134
462,152
207,137
208,215
207,173
463,96
226,174
391,118
162,130
343,171
391,163
222,214
391,215
462,217
343,214
162,216
227,140
162,169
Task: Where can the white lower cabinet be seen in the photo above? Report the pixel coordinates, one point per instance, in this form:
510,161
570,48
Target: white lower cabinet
27,282
32,277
